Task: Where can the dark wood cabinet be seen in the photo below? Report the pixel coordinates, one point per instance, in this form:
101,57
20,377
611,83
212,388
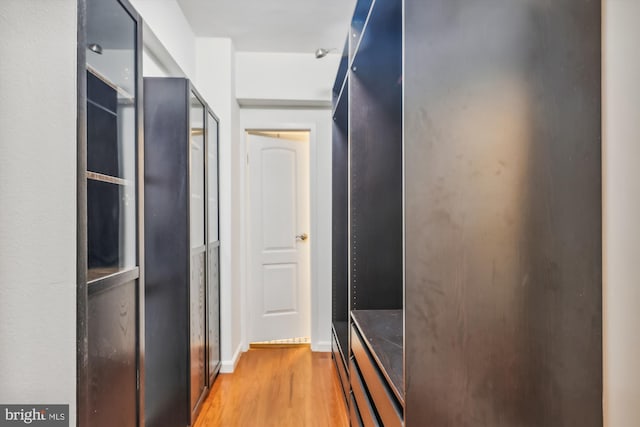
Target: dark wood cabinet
182,250
473,137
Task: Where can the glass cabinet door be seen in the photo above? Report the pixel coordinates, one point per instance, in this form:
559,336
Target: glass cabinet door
198,253
112,58
111,139
197,174
213,244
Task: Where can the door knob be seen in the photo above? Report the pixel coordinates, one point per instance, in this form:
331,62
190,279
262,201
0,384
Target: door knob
303,236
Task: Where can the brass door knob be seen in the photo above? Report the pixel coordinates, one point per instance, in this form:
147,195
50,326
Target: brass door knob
303,236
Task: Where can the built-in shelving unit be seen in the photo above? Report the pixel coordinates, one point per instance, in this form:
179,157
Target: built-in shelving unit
367,204
467,214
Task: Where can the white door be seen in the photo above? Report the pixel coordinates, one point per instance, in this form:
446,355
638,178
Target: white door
279,245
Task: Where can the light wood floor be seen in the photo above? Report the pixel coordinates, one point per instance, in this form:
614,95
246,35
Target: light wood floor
277,387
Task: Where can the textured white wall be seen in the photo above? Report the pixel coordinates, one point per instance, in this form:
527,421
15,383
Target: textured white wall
320,174
621,185
38,202
215,81
285,78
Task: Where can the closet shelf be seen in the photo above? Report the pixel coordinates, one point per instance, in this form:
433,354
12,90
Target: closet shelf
124,97
95,176
382,331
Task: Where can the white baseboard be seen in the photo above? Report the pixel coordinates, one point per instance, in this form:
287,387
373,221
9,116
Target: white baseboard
321,346
228,366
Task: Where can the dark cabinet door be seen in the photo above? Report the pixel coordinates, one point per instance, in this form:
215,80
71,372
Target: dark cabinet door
167,254
181,266
113,272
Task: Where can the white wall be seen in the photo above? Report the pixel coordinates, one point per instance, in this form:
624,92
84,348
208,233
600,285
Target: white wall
215,80
38,202
277,91
621,185
285,79
320,173
151,66
169,25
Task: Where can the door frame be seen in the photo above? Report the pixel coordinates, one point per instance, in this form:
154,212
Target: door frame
245,235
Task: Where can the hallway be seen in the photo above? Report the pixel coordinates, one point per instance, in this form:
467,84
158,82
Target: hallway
277,387
473,232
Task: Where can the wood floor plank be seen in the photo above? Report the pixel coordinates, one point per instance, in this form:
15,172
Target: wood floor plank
277,387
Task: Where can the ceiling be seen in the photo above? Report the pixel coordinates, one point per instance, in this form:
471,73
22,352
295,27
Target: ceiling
272,25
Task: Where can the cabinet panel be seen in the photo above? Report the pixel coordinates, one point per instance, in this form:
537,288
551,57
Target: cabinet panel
361,397
112,349
340,212
375,168
167,255
182,265
380,392
503,213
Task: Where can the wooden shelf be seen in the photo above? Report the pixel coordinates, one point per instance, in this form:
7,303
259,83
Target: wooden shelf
95,176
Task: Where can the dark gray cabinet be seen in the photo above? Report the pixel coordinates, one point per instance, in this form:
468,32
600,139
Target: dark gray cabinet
474,213
182,250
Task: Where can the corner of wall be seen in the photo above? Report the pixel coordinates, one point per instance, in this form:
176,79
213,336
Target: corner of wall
228,366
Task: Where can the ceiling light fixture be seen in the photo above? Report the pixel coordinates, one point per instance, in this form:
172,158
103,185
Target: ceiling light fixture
322,52
95,47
